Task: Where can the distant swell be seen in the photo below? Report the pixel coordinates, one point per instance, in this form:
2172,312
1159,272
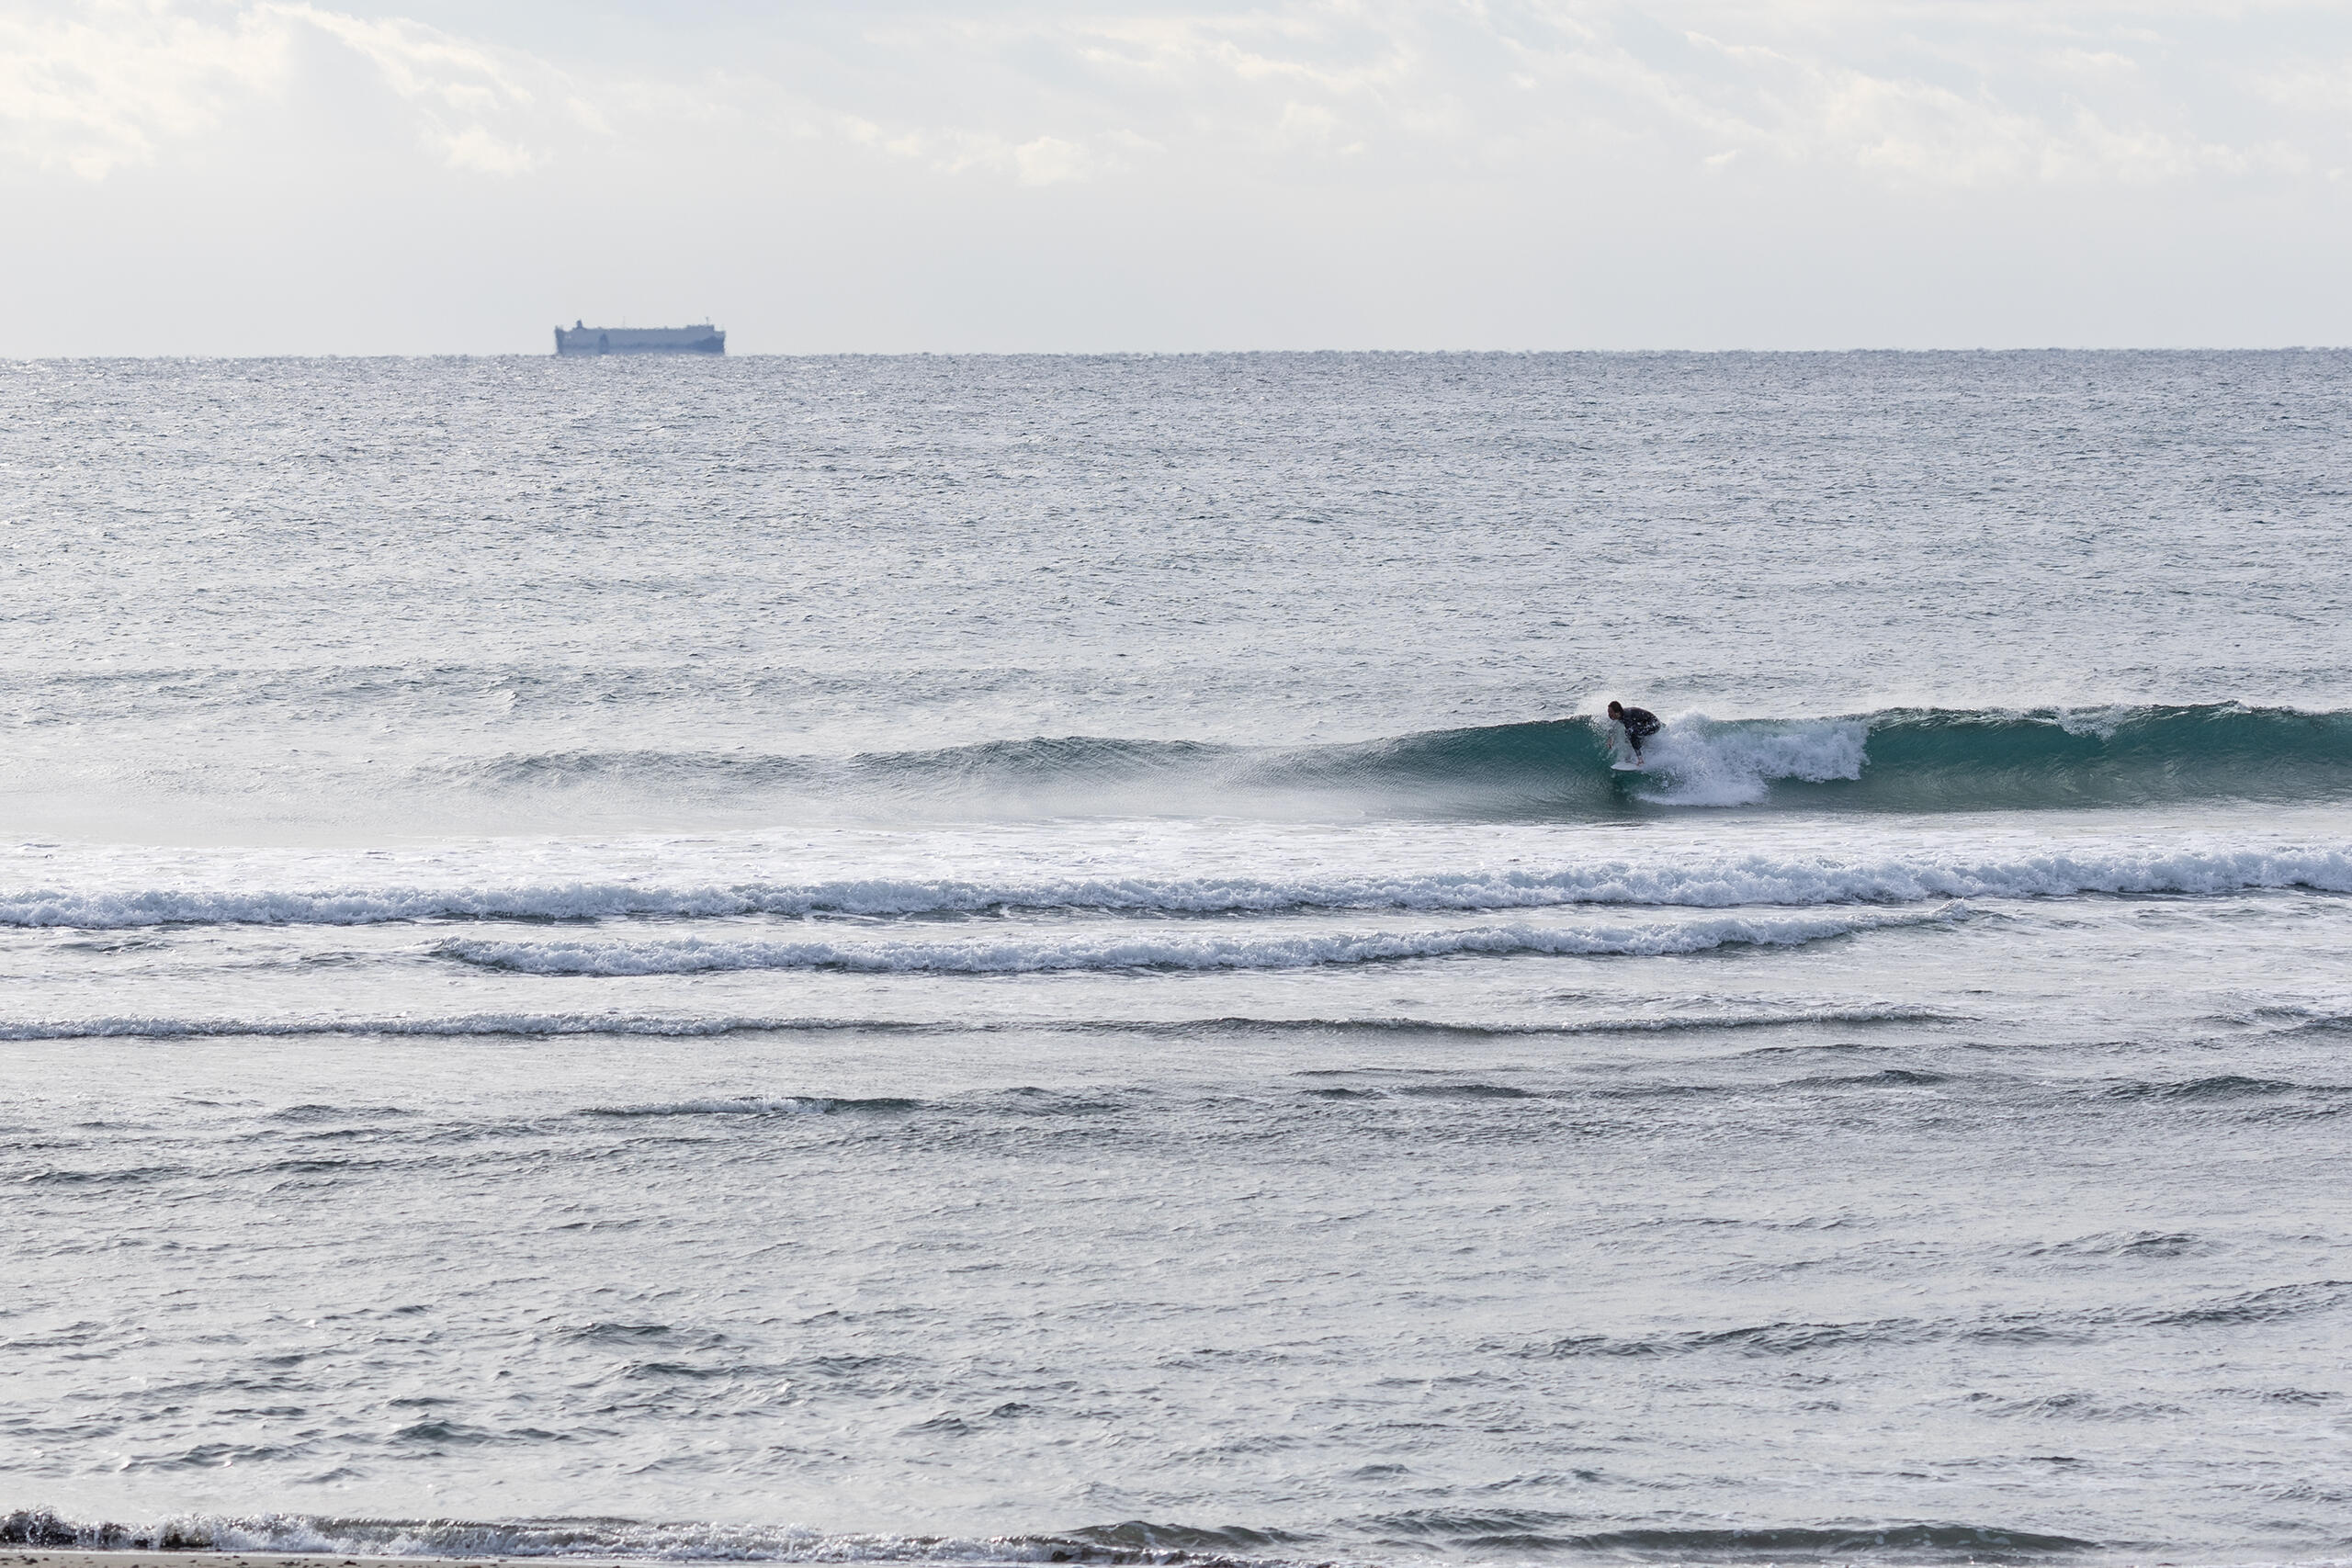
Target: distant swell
754,1105
2268,1304
1048,952
1532,1531
1661,882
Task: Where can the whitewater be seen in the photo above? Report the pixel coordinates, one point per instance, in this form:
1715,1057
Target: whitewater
1049,959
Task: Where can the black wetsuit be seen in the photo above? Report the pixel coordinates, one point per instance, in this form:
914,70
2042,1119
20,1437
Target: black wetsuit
1640,724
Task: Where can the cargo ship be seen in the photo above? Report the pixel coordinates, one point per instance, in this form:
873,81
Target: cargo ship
581,339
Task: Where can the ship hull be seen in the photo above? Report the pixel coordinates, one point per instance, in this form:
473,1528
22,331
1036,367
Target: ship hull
705,339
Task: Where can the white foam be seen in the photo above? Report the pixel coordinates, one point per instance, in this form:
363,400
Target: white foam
1044,952
689,1026
1719,881
606,1538
1700,762
147,1027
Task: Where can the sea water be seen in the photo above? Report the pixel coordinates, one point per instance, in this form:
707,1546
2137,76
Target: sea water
1045,959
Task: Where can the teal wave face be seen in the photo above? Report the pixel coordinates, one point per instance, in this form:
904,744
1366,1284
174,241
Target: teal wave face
1947,761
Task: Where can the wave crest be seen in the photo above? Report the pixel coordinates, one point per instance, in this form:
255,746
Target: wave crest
1048,952
601,1537
1743,880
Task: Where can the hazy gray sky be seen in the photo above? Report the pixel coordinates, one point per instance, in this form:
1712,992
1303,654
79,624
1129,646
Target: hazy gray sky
225,177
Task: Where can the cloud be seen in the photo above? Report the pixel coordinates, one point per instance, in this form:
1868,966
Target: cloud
475,148
1173,173
1994,94
418,61
1049,160
104,84
459,89
98,86
1986,95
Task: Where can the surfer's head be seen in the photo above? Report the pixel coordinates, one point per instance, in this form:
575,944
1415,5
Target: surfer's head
1616,710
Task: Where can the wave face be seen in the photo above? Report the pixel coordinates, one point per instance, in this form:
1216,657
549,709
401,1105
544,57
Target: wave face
1899,759
1962,761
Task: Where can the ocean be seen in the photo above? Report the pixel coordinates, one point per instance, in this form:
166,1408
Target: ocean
1048,959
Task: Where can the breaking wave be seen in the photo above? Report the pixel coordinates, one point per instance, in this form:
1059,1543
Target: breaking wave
461,1026
1755,879
1048,952
1134,1541
699,1026
1920,759
617,1538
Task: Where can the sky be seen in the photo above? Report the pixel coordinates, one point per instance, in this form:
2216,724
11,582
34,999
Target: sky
222,176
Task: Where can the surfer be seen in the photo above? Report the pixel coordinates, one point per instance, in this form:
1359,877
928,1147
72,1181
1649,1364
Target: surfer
1639,725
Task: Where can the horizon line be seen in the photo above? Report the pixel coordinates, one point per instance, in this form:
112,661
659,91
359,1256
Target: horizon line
1202,353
